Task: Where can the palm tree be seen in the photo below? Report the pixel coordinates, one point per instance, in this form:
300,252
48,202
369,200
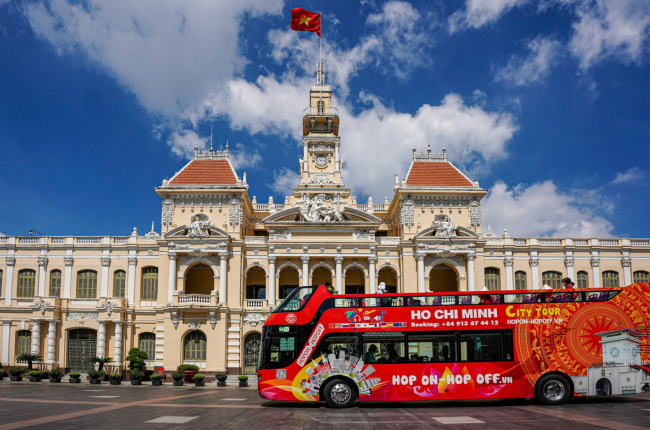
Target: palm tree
101,361
29,358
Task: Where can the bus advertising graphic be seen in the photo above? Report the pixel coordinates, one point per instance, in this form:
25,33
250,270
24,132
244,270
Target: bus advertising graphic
519,345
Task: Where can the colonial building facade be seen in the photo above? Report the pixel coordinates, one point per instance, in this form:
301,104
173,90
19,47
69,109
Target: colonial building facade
199,291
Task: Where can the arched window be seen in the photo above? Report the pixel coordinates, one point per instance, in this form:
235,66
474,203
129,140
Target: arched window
23,342
639,276
55,283
149,283
520,280
583,279
492,278
119,283
148,344
87,284
195,346
26,283
321,107
0,282
552,279
610,279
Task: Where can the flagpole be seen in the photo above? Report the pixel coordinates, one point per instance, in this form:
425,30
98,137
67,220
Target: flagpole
320,59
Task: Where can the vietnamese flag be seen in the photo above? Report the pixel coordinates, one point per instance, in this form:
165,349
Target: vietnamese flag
303,20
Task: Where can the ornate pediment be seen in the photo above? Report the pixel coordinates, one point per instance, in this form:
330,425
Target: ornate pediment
191,232
346,216
442,231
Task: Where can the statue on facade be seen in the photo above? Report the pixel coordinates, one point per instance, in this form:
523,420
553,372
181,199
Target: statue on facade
444,226
198,224
314,210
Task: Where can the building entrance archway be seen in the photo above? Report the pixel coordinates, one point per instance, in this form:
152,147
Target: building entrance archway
603,387
251,352
288,281
256,284
388,276
199,279
443,279
354,281
321,276
82,345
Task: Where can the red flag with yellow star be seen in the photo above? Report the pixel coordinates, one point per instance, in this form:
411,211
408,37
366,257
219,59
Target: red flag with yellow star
304,20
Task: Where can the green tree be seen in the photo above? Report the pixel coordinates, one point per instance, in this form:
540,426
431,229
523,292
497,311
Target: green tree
29,358
101,361
136,359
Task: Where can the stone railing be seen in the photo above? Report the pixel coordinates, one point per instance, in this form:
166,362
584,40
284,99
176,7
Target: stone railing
385,240
28,239
325,111
204,299
255,303
89,240
637,242
254,239
608,242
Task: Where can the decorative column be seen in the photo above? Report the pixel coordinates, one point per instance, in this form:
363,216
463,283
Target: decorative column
42,275
130,284
568,262
627,275
339,261
171,283
534,269
420,259
67,281
508,262
101,339
106,262
117,352
6,330
272,260
471,282
595,271
305,270
372,274
223,278
36,336
51,341
8,289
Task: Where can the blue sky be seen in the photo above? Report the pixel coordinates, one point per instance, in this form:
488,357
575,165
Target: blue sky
543,102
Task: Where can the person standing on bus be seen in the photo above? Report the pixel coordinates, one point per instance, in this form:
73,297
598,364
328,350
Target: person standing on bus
370,355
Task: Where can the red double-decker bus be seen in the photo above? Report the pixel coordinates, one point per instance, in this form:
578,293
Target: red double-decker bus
430,346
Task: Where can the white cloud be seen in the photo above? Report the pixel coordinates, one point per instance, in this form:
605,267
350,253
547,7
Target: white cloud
284,181
183,142
169,54
541,210
630,175
605,29
543,53
478,13
242,157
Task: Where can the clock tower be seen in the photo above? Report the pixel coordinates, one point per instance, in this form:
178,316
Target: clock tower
321,164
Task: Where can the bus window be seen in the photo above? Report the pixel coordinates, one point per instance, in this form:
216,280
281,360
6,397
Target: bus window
282,350
432,348
335,343
296,300
510,349
600,296
481,347
470,300
522,298
574,296
384,347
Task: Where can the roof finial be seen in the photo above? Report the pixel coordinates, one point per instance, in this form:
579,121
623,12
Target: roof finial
210,136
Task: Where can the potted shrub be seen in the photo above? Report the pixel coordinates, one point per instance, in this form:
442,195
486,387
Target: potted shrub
221,379
243,380
35,376
75,377
136,359
157,379
2,372
15,373
136,377
55,375
115,378
100,361
95,376
199,380
45,374
178,379
188,370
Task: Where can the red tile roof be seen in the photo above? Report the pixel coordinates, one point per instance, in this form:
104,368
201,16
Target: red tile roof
436,174
205,172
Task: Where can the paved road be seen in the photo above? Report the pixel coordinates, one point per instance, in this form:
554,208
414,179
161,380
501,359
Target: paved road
82,406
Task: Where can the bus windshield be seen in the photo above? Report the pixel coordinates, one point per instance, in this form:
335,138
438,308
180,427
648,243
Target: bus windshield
296,300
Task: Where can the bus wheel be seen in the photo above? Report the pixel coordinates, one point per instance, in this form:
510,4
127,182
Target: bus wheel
339,394
553,390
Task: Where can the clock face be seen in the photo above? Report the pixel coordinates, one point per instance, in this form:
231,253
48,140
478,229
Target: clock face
321,161
614,352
